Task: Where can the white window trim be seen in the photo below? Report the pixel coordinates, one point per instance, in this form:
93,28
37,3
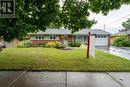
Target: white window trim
34,38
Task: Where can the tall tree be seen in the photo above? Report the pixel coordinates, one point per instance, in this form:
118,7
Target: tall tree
31,15
34,15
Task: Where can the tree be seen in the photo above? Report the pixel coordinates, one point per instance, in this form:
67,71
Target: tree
31,16
34,15
126,25
75,13
121,41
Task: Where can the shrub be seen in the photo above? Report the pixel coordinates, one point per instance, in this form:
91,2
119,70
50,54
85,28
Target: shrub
25,44
121,40
42,45
35,45
126,43
55,44
75,44
38,45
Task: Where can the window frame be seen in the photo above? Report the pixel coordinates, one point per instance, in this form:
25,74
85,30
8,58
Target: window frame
52,37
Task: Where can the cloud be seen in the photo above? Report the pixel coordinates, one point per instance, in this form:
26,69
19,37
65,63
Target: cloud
112,16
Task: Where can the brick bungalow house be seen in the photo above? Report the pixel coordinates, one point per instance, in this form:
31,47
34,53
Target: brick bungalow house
65,36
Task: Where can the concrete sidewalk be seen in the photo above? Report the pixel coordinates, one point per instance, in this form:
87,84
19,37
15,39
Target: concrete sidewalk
63,79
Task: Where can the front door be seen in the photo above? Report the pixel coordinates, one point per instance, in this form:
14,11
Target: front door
65,42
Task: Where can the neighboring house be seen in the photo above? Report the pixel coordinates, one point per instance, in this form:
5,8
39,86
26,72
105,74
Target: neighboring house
65,36
119,33
13,43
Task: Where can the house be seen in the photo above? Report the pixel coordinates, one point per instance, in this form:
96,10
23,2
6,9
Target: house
101,36
12,43
61,35
119,33
65,36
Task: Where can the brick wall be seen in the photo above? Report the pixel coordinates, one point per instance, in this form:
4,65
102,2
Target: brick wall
61,39
36,42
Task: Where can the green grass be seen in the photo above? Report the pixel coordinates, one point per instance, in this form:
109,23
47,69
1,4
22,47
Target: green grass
60,60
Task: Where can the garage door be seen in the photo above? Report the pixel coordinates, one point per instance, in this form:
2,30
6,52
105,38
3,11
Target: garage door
101,41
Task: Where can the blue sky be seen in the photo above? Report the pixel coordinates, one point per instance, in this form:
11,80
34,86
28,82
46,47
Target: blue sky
111,17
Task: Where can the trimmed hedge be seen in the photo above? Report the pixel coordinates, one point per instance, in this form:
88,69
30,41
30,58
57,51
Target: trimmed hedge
75,44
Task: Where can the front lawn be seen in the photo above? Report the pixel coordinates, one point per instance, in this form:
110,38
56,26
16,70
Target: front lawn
60,60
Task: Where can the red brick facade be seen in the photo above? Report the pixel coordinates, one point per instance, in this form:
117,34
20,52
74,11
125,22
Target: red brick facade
61,39
37,42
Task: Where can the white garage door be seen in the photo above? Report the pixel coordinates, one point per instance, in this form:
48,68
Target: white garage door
101,41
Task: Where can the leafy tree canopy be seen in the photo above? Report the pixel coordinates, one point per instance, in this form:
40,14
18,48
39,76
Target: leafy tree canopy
34,15
126,25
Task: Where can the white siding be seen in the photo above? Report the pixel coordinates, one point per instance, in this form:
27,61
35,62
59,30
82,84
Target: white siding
79,39
101,41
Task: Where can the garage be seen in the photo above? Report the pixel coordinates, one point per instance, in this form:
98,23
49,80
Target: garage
101,36
101,40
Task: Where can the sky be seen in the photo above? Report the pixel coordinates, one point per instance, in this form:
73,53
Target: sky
110,18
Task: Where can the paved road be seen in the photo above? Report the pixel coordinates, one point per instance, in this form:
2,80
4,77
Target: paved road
63,79
123,52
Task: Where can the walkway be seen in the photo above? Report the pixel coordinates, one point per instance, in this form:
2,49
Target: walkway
63,79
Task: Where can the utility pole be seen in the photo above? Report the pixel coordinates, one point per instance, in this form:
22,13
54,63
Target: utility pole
104,26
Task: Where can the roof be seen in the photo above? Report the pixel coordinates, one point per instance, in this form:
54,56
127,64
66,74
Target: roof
92,31
56,32
68,32
121,33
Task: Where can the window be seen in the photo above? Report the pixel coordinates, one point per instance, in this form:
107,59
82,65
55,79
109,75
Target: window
84,39
79,39
104,36
36,36
39,37
98,36
47,37
42,37
52,37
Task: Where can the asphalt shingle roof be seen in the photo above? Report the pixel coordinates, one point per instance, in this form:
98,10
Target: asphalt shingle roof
92,31
68,32
120,33
55,31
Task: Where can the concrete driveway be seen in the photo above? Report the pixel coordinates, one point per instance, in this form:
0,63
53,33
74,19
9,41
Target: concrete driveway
123,52
63,79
